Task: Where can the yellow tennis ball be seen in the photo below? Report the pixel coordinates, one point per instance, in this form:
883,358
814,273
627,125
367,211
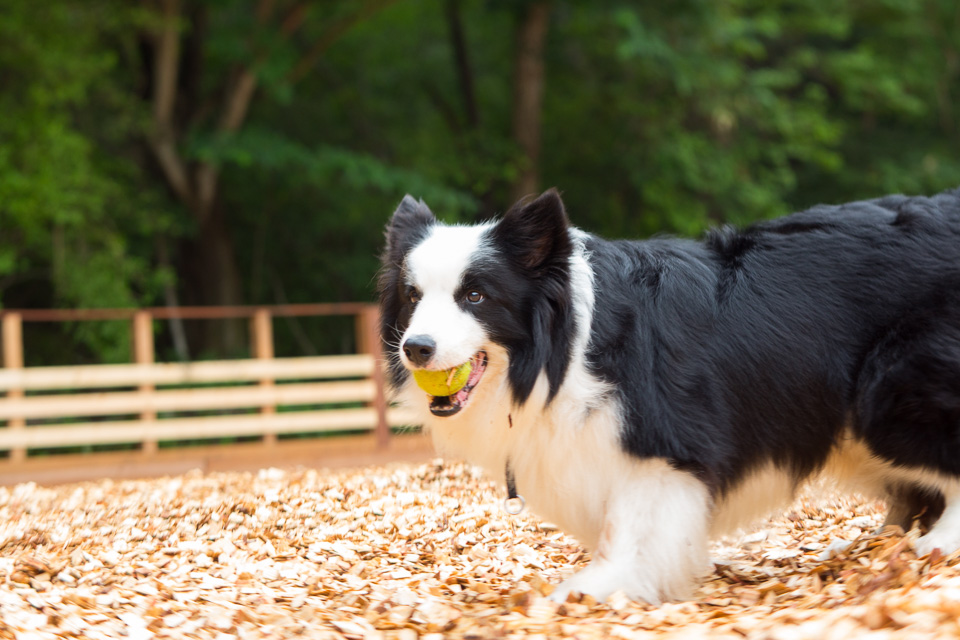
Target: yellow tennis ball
443,383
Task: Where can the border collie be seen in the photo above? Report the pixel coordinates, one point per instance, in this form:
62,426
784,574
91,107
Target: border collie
646,395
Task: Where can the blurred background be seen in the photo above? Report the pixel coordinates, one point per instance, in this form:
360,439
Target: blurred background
228,152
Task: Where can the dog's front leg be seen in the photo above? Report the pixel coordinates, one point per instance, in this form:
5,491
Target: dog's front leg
653,544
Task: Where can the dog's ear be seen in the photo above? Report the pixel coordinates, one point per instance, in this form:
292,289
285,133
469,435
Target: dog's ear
535,231
534,236
409,224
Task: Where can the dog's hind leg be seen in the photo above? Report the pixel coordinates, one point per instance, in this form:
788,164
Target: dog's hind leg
908,414
913,503
653,545
945,534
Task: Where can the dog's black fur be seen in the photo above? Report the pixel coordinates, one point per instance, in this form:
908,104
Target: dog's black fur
765,343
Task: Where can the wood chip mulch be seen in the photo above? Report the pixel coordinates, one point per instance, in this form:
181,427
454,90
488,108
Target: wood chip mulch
422,551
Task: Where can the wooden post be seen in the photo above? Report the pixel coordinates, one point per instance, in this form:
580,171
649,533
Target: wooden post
261,336
368,341
361,332
13,359
143,353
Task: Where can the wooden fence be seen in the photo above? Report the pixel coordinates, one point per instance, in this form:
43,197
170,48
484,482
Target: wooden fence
336,405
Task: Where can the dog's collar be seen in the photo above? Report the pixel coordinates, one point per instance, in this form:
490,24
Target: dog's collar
514,503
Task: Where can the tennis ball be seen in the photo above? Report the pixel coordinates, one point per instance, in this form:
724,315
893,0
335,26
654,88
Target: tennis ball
443,383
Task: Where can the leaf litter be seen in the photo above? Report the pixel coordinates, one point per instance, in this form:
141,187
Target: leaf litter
423,551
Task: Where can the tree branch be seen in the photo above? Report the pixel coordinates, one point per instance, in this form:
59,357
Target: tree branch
235,110
236,105
171,164
334,33
238,101
166,62
295,18
166,65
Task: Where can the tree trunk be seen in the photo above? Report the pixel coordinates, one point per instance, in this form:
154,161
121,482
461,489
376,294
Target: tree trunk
528,80
462,63
216,281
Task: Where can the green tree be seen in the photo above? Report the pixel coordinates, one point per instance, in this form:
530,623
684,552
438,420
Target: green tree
732,111
208,63
224,151
72,215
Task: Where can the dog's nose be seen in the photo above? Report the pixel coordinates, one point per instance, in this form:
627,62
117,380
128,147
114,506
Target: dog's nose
419,349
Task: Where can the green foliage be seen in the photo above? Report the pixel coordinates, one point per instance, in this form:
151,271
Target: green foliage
738,110
69,212
259,149
657,117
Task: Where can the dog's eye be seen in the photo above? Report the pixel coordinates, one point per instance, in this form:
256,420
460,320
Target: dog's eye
474,297
414,295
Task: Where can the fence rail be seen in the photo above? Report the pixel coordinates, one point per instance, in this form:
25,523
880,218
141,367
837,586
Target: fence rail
154,405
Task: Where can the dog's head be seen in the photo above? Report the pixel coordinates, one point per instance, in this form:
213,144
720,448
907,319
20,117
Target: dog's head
495,295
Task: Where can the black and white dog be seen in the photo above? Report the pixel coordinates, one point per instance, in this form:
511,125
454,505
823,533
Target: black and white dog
648,395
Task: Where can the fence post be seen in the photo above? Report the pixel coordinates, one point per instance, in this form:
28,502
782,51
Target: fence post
261,347
368,341
13,359
143,353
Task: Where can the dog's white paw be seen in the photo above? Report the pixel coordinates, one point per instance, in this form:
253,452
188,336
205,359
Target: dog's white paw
947,541
600,580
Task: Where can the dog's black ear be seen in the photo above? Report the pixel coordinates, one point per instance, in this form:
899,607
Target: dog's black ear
409,225
535,232
534,237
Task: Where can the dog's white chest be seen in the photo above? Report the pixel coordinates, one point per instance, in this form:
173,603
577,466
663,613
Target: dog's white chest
565,465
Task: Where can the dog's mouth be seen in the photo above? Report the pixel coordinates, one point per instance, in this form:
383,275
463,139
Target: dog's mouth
445,406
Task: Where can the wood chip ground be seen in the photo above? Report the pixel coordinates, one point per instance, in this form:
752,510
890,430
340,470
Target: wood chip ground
422,551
